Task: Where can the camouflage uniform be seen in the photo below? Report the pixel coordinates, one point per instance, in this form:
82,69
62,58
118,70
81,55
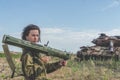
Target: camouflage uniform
34,68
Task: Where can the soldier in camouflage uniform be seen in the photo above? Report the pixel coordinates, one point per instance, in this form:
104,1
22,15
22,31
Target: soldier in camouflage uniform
34,64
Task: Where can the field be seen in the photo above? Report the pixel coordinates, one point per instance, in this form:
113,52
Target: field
75,70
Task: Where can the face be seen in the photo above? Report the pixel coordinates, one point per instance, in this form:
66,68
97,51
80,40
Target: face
33,36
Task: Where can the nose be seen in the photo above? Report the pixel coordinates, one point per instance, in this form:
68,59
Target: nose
36,38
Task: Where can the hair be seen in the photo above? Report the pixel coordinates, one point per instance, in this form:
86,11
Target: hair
27,29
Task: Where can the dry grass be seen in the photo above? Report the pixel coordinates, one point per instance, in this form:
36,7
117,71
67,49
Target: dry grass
84,70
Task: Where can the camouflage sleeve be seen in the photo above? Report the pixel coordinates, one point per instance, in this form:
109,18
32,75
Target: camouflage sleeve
27,66
51,67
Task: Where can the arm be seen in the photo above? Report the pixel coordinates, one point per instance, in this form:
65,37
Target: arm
27,66
51,67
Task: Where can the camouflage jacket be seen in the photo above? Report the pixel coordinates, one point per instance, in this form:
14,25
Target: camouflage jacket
34,68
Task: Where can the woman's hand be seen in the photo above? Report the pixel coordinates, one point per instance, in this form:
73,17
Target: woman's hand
46,59
63,63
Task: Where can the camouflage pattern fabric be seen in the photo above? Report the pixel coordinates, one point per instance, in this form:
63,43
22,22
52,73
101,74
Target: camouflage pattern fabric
33,67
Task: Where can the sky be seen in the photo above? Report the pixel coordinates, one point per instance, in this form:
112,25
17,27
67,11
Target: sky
66,24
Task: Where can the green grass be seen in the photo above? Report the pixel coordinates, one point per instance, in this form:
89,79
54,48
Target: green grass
2,55
93,70
13,55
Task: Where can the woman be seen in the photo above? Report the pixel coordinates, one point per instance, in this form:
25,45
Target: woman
34,64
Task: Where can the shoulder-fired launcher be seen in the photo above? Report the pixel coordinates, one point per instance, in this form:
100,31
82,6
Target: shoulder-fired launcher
37,47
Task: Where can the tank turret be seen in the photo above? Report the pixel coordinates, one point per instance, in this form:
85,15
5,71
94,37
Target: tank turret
105,40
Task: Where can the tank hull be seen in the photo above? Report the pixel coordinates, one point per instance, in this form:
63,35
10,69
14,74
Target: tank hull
98,53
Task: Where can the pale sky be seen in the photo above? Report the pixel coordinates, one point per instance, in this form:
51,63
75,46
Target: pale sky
66,24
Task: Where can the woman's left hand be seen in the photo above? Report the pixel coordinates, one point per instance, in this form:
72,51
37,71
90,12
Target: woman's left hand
63,63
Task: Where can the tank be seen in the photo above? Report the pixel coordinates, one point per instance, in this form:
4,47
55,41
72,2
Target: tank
105,47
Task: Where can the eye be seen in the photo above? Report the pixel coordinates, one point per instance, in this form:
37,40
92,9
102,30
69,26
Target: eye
37,35
33,34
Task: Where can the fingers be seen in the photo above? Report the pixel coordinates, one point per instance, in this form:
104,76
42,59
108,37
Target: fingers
63,62
46,59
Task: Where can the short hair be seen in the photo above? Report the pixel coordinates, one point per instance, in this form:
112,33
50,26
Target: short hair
27,29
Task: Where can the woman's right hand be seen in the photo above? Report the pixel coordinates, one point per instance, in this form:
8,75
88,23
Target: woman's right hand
46,59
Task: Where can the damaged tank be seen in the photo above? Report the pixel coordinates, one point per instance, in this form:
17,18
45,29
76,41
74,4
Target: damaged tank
105,47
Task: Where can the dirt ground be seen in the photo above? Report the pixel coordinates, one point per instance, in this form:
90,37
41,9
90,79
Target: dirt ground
5,71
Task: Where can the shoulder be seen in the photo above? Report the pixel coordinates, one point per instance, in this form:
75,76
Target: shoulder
25,56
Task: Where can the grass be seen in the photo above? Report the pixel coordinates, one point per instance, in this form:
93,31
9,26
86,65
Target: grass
81,70
2,55
13,55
